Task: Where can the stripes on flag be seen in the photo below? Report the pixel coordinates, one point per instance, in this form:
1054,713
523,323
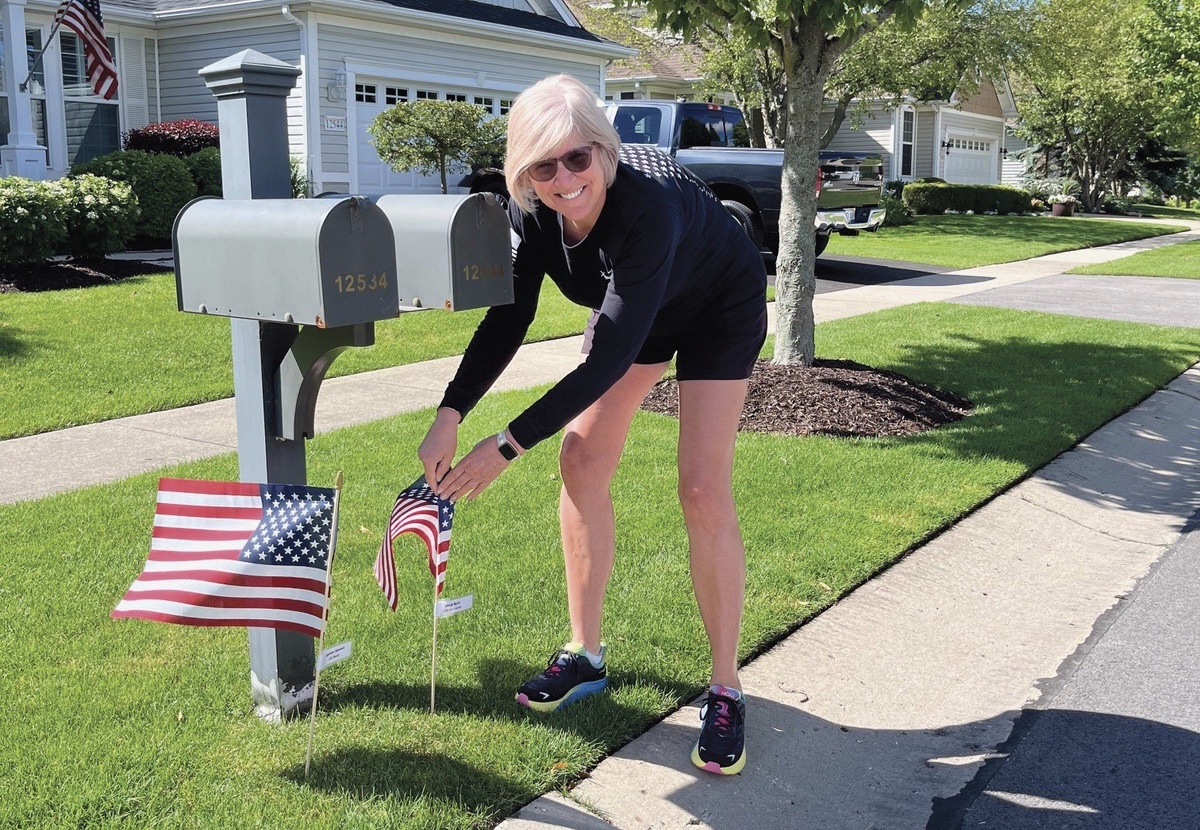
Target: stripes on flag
418,510
84,19
236,554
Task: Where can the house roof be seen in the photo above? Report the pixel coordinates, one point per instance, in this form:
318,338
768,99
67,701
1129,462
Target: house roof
462,9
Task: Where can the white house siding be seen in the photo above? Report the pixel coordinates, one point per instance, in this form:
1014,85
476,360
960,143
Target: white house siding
184,51
150,56
407,58
926,143
873,135
1013,168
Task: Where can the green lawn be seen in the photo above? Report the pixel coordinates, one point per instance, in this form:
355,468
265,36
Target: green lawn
85,355
960,241
128,724
1164,212
1182,261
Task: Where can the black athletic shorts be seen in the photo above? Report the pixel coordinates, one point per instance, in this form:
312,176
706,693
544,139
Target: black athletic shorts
723,346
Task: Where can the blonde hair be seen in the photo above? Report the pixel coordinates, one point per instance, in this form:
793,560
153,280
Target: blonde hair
542,118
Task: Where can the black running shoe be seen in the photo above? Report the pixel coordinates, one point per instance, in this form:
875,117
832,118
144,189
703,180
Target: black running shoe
721,747
568,677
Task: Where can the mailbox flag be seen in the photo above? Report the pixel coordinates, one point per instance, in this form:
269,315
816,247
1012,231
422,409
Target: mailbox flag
236,554
83,18
418,510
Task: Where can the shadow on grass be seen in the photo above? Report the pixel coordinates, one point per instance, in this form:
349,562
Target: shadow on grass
1037,399
367,773
13,341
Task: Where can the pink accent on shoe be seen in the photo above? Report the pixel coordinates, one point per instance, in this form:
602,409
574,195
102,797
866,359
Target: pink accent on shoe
713,766
523,700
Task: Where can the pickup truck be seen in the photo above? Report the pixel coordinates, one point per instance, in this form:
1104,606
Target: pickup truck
712,141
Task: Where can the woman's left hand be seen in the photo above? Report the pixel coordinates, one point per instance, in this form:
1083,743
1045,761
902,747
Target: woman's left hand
474,471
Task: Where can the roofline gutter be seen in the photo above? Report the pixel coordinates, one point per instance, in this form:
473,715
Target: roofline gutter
374,10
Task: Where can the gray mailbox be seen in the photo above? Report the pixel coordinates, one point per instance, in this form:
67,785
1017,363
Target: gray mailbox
454,252
319,262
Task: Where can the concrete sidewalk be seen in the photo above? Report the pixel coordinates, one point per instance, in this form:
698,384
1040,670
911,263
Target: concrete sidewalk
897,707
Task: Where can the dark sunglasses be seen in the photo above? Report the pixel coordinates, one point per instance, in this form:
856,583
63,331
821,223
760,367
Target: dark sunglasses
576,161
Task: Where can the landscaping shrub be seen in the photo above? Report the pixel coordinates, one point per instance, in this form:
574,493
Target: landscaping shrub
179,138
938,197
161,183
897,214
100,216
205,167
31,220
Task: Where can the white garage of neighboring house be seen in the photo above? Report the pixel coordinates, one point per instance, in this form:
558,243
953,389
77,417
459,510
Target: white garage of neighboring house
962,141
357,57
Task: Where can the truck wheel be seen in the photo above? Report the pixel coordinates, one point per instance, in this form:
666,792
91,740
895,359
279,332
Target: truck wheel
746,218
822,241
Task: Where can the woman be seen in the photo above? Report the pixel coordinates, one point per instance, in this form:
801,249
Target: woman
629,233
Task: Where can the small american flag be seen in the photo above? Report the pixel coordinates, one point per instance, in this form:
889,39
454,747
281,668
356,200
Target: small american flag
236,554
83,18
418,510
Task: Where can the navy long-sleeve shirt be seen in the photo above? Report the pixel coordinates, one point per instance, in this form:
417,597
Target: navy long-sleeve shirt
663,256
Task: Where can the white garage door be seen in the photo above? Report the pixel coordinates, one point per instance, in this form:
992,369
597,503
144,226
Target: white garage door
371,97
970,160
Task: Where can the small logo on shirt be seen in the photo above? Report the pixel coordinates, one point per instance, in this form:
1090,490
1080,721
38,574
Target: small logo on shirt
606,267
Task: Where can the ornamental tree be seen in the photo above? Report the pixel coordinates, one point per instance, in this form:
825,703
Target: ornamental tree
808,36
432,136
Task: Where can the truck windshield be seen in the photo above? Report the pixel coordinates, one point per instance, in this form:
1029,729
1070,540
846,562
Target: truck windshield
638,125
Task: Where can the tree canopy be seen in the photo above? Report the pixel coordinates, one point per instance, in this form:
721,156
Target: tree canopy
1168,42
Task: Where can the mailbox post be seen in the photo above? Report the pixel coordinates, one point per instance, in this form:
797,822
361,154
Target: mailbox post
251,90
302,280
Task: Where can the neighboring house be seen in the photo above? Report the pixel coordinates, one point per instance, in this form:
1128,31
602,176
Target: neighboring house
965,141
357,57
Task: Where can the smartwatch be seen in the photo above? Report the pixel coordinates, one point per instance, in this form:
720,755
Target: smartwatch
506,449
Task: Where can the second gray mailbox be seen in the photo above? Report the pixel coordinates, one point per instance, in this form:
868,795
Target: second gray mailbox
304,261
453,252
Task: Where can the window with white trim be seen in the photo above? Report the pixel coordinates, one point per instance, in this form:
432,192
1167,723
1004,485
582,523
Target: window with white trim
427,95
365,93
908,134
456,96
393,95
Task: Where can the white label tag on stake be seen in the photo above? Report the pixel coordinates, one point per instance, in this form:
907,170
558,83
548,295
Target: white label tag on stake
334,654
446,607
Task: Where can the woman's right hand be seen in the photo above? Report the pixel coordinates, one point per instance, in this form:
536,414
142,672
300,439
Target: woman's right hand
437,450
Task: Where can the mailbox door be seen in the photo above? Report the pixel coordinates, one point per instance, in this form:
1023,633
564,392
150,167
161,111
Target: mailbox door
358,279
480,255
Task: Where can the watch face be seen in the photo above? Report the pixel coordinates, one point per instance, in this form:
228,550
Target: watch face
506,449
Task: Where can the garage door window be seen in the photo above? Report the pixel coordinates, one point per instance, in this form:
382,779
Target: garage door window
365,93
393,95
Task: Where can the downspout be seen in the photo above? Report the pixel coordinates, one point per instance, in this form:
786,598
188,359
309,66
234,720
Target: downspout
305,116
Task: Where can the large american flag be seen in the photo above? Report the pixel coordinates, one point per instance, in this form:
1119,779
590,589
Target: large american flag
236,554
83,18
418,510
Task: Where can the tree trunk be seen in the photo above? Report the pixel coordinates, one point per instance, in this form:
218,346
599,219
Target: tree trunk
807,57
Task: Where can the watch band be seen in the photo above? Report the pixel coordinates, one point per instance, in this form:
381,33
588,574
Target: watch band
506,449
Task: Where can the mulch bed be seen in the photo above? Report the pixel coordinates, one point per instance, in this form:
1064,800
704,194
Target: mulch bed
832,397
51,276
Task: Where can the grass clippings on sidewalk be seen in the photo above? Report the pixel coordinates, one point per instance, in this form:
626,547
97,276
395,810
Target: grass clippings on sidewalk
1180,261
135,724
961,241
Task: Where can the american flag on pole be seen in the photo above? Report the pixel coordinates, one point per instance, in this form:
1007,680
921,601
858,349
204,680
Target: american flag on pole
236,554
83,18
418,510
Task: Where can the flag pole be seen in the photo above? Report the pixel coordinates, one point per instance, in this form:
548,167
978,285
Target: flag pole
433,668
37,59
312,712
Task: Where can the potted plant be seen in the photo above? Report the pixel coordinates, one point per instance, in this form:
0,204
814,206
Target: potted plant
1063,204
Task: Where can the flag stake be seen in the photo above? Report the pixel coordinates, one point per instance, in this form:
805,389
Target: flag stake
312,712
433,670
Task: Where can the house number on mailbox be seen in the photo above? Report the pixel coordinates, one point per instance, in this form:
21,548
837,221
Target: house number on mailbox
482,272
351,283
